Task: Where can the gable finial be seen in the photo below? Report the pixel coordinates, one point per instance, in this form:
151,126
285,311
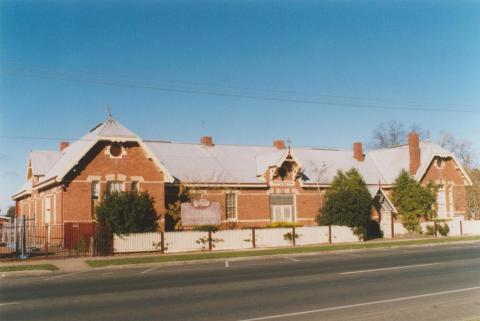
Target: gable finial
109,111
289,144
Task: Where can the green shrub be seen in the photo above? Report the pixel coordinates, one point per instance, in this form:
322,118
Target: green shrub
347,202
81,246
205,228
283,224
443,229
289,236
441,226
413,201
430,230
103,238
128,212
373,230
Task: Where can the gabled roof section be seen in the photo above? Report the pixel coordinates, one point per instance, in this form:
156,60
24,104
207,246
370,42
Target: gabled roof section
391,161
219,164
25,190
321,165
42,160
110,130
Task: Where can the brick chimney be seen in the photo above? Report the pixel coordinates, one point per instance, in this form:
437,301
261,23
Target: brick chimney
414,152
63,145
207,141
358,151
279,144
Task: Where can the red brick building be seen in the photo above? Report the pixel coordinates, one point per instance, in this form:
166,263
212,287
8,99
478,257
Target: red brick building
254,185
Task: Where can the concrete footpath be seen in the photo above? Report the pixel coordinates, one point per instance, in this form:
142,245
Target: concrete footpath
79,264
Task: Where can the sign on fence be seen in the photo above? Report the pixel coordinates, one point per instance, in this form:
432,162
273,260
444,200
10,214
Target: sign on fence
200,212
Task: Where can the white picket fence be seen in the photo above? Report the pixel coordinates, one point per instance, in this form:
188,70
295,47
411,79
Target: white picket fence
187,241
456,227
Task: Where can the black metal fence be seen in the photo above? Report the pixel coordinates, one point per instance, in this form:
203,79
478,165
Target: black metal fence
24,239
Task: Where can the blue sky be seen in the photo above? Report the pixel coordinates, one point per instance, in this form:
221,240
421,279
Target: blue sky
58,61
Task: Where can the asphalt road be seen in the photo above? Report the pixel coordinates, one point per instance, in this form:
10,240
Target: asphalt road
421,283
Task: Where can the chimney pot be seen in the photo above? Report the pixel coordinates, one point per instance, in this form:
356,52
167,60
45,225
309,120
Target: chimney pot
206,140
279,143
358,151
414,152
63,145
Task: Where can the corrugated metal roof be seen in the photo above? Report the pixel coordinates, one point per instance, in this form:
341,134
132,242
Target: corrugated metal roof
235,164
391,161
110,129
43,160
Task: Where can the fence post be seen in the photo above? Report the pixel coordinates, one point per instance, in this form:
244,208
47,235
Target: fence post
293,236
461,228
46,241
392,222
330,234
94,238
162,240
210,240
253,238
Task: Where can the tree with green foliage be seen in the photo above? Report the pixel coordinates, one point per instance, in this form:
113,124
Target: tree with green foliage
128,212
174,199
347,203
413,201
11,212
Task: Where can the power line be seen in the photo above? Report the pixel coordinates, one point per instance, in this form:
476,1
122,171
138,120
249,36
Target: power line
28,68
238,95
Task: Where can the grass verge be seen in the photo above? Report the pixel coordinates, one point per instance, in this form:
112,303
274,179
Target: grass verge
13,268
266,252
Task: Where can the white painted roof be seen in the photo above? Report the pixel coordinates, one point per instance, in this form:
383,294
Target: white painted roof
43,160
321,165
109,130
196,163
235,164
390,161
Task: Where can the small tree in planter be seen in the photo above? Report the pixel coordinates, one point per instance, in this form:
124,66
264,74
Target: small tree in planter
348,203
413,201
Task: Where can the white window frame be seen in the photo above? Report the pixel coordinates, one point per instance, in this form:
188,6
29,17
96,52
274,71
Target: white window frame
442,202
229,206
119,186
283,208
47,212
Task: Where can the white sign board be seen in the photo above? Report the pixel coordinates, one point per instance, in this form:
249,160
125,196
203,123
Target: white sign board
201,212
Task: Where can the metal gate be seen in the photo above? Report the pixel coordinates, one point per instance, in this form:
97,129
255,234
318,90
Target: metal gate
24,239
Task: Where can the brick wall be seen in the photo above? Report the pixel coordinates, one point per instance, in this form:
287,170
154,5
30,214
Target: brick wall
448,174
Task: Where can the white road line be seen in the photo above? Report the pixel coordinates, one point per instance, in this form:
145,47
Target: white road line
291,259
150,269
63,276
8,303
342,307
391,268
